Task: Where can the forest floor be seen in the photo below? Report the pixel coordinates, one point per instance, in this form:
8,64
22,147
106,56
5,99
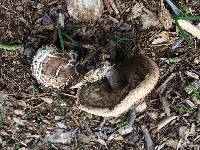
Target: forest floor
34,117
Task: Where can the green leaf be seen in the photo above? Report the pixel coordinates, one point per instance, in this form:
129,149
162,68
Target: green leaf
75,32
68,37
183,109
34,91
195,91
124,39
60,37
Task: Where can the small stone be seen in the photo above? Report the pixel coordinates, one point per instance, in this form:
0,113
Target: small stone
61,125
28,52
19,8
19,121
46,19
60,137
192,74
172,143
125,130
85,139
183,131
153,115
39,5
133,138
119,138
192,130
18,112
197,60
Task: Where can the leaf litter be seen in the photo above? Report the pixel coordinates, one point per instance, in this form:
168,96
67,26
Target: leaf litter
53,115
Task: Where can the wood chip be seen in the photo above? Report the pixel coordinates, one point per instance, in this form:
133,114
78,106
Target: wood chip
192,74
192,130
136,11
165,103
47,100
164,122
183,131
114,7
165,17
108,6
149,19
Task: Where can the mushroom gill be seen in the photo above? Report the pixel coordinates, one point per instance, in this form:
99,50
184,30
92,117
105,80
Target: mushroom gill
136,77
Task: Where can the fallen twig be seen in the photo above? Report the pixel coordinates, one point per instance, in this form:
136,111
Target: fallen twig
114,7
164,122
147,137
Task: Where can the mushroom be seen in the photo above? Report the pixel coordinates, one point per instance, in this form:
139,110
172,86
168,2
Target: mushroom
85,10
136,77
53,69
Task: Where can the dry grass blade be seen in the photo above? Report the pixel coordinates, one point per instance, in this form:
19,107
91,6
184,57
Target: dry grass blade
183,32
187,26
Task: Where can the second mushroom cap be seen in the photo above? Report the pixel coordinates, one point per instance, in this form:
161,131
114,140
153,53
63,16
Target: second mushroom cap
85,10
52,69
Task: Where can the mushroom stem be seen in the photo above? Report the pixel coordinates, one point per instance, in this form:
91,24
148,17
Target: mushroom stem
114,79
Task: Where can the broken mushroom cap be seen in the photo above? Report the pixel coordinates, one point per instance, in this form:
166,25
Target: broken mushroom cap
85,10
52,69
139,76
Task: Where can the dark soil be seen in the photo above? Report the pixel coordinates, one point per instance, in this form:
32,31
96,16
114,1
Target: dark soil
30,111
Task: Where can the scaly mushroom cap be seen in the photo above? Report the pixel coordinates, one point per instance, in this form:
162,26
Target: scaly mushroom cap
138,76
52,69
85,10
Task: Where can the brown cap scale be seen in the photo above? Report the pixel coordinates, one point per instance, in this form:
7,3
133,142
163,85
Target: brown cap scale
85,10
52,69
